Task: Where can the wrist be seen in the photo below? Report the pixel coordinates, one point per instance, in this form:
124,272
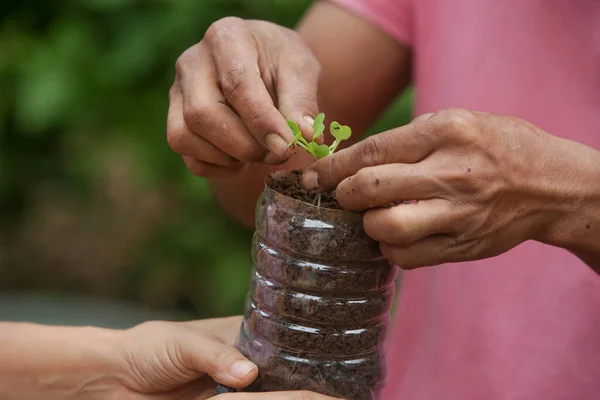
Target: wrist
53,362
568,183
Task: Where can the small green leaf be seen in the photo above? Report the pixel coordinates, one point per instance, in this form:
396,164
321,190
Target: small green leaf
318,126
294,127
340,132
312,148
297,134
321,151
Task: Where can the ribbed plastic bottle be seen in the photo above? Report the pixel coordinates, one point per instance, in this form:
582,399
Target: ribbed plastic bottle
318,307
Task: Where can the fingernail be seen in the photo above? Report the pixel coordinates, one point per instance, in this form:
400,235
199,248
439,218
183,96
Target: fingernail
311,180
276,144
309,119
241,368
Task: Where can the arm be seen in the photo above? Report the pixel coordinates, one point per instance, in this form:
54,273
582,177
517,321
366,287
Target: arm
571,179
52,362
375,68
154,360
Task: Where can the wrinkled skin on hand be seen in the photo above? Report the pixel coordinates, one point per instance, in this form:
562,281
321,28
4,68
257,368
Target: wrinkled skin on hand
232,93
474,176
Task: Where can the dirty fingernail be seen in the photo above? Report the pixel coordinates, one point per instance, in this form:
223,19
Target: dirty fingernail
276,144
309,119
310,180
241,368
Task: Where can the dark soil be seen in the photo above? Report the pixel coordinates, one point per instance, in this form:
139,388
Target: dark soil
317,339
291,185
321,276
352,378
318,307
294,225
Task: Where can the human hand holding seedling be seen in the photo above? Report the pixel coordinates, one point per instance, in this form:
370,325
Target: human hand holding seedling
231,93
483,184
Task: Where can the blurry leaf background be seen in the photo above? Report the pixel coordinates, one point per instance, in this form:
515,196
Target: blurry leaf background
92,200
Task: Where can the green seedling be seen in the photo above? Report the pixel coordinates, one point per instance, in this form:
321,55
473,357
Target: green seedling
339,132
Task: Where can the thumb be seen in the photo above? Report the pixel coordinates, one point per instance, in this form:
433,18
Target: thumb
297,94
224,363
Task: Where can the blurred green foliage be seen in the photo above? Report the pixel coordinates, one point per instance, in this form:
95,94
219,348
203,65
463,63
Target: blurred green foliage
91,197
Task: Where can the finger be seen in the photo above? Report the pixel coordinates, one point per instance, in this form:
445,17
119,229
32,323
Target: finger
185,142
297,395
235,56
407,144
273,159
384,184
224,363
205,112
206,170
297,85
433,250
408,223
421,118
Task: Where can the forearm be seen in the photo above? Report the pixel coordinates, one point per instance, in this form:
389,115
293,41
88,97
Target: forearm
572,176
378,68
48,362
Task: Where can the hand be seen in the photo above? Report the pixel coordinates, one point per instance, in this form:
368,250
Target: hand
152,361
475,176
232,93
167,360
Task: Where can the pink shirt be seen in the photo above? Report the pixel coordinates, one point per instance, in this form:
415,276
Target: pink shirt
526,324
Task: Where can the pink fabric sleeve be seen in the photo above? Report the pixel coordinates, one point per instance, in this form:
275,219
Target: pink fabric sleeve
394,17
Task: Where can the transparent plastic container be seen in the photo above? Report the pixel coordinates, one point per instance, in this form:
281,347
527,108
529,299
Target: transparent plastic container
318,307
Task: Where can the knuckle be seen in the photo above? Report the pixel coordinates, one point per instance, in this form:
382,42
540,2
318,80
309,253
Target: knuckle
407,259
401,236
222,355
222,27
257,121
233,81
371,152
315,66
371,226
175,139
461,247
307,102
459,124
184,61
394,256
305,60
196,168
197,118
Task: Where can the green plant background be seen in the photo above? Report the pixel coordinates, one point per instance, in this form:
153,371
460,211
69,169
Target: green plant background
92,200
